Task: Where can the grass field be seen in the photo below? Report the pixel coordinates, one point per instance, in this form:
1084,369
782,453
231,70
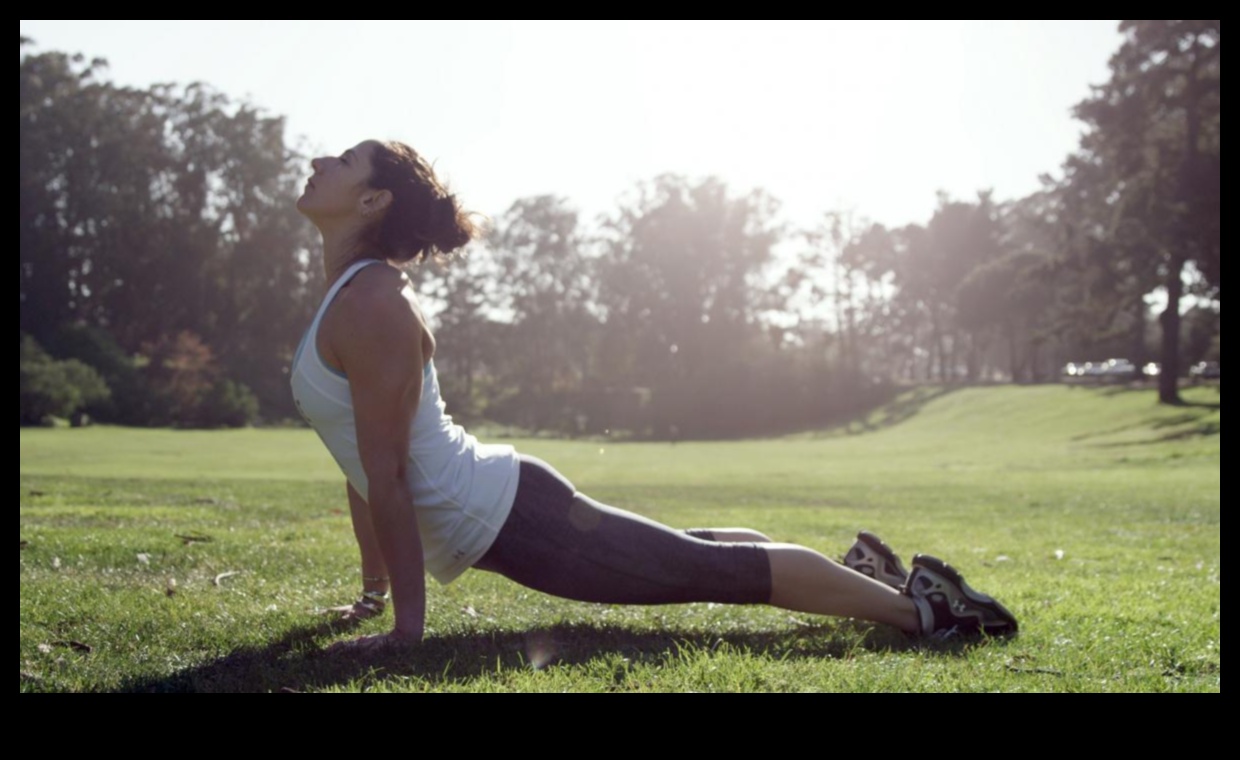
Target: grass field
196,561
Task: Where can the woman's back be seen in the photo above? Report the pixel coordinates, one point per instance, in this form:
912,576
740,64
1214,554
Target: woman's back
462,489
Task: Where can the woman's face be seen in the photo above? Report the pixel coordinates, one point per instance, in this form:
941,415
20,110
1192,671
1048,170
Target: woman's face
338,186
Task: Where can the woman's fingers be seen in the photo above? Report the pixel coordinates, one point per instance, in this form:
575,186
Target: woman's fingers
349,612
368,643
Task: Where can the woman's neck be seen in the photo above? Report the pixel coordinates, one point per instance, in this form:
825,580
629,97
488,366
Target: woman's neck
339,251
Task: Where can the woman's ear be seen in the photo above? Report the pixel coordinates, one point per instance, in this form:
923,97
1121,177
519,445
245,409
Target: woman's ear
374,201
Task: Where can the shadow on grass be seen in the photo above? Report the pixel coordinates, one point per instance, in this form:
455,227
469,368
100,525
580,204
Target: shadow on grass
1118,390
1190,424
1215,405
905,408
1187,425
902,409
298,662
1206,428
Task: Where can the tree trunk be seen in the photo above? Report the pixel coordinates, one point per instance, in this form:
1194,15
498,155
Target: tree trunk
972,358
1169,376
1138,332
953,355
1013,351
1035,374
938,350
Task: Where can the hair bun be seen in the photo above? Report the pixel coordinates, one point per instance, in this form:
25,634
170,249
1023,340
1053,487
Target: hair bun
424,218
450,228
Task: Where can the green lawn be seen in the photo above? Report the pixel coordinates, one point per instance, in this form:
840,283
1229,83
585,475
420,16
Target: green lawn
1092,514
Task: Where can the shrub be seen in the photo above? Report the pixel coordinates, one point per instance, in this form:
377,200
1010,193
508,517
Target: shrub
51,388
130,401
228,404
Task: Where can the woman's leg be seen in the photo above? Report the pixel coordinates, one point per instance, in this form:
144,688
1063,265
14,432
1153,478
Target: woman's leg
564,543
806,581
728,535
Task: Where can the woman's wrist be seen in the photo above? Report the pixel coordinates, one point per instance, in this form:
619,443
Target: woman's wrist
406,635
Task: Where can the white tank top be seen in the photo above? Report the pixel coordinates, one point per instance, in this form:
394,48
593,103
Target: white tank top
462,490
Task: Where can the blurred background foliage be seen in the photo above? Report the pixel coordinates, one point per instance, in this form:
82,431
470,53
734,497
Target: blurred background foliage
166,277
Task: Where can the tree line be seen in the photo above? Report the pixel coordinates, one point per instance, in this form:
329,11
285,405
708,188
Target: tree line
166,277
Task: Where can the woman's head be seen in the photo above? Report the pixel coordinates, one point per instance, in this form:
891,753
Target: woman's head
401,210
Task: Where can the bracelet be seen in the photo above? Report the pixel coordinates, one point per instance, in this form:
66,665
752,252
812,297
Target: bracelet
375,579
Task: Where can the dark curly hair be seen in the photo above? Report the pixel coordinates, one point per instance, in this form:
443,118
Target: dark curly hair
424,219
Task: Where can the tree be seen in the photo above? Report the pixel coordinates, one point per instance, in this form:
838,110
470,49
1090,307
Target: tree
146,213
931,262
1007,298
1148,177
544,287
464,290
50,388
678,287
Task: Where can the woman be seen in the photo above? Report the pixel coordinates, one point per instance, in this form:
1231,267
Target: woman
426,497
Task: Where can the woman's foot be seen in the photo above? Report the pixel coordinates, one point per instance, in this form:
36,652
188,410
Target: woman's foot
948,606
872,557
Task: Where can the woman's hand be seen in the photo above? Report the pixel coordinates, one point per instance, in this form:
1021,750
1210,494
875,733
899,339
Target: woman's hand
393,639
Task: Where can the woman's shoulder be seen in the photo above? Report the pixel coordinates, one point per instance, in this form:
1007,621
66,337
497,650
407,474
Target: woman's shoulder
374,315
379,286
377,276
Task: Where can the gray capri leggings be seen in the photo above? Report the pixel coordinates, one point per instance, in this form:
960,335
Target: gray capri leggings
564,543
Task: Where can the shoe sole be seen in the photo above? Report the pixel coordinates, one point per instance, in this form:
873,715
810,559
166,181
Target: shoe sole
879,547
1005,627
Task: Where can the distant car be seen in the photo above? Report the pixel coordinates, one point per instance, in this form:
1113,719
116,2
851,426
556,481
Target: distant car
1119,371
1076,373
1205,371
1109,371
1152,369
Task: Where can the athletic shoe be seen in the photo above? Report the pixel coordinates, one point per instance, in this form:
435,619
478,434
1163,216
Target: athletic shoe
871,556
947,606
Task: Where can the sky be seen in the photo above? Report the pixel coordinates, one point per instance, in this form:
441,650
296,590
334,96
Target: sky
873,118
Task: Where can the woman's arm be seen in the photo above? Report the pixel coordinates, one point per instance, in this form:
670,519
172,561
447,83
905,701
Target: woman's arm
374,570
377,337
